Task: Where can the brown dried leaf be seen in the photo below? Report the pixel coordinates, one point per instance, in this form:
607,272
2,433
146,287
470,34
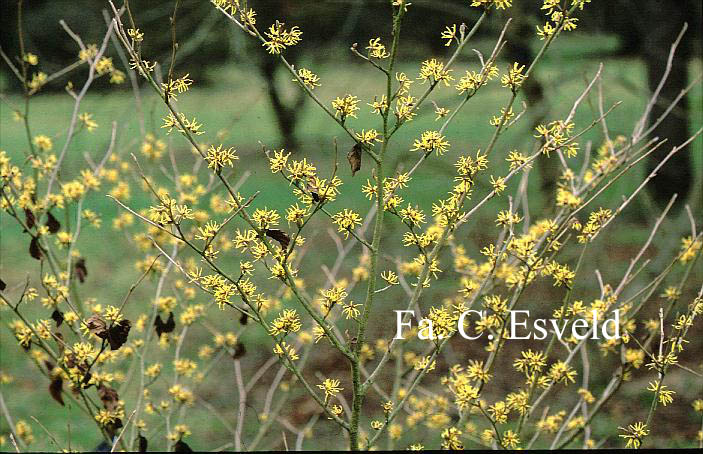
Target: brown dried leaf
51,222
162,327
35,249
56,388
81,270
109,397
181,446
70,360
57,316
280,236
29,217
117,334
142,443
354,158
96,325
239,351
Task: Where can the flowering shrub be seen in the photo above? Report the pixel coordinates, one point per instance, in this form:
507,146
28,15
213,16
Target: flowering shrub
209,249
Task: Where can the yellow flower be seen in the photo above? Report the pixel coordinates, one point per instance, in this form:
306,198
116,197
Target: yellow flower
634,434
38,80
379,107
104,66
117,77
287,322
441,112
546,32
514,78
499,4
503,119
433,71
510,439
180,85
266,218
498,184
31,59
308,78
88,122
330,387
280,38
405,108
345,107
431,141
182,124
135,34
296,214
449,34
346,221
450,439
73,190
666,396
376,49
284,350
350,310
220,157
390,277
368,137
43,142
278,162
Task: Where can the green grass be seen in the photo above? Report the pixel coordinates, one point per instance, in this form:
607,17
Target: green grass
236,103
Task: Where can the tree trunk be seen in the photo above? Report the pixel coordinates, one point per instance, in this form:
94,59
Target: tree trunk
663,20
286,114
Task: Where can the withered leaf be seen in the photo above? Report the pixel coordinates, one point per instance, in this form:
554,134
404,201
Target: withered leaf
96,325
81,270
280,236
35,249
57,316
117,334
30,219
3,286
55,389
70,360
354,158
51,222
109,397
244,319
239,351
162,327
142,443
181,446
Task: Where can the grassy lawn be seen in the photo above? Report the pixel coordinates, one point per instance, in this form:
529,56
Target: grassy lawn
235,106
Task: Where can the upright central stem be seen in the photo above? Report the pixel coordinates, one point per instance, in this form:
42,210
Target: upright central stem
358,389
